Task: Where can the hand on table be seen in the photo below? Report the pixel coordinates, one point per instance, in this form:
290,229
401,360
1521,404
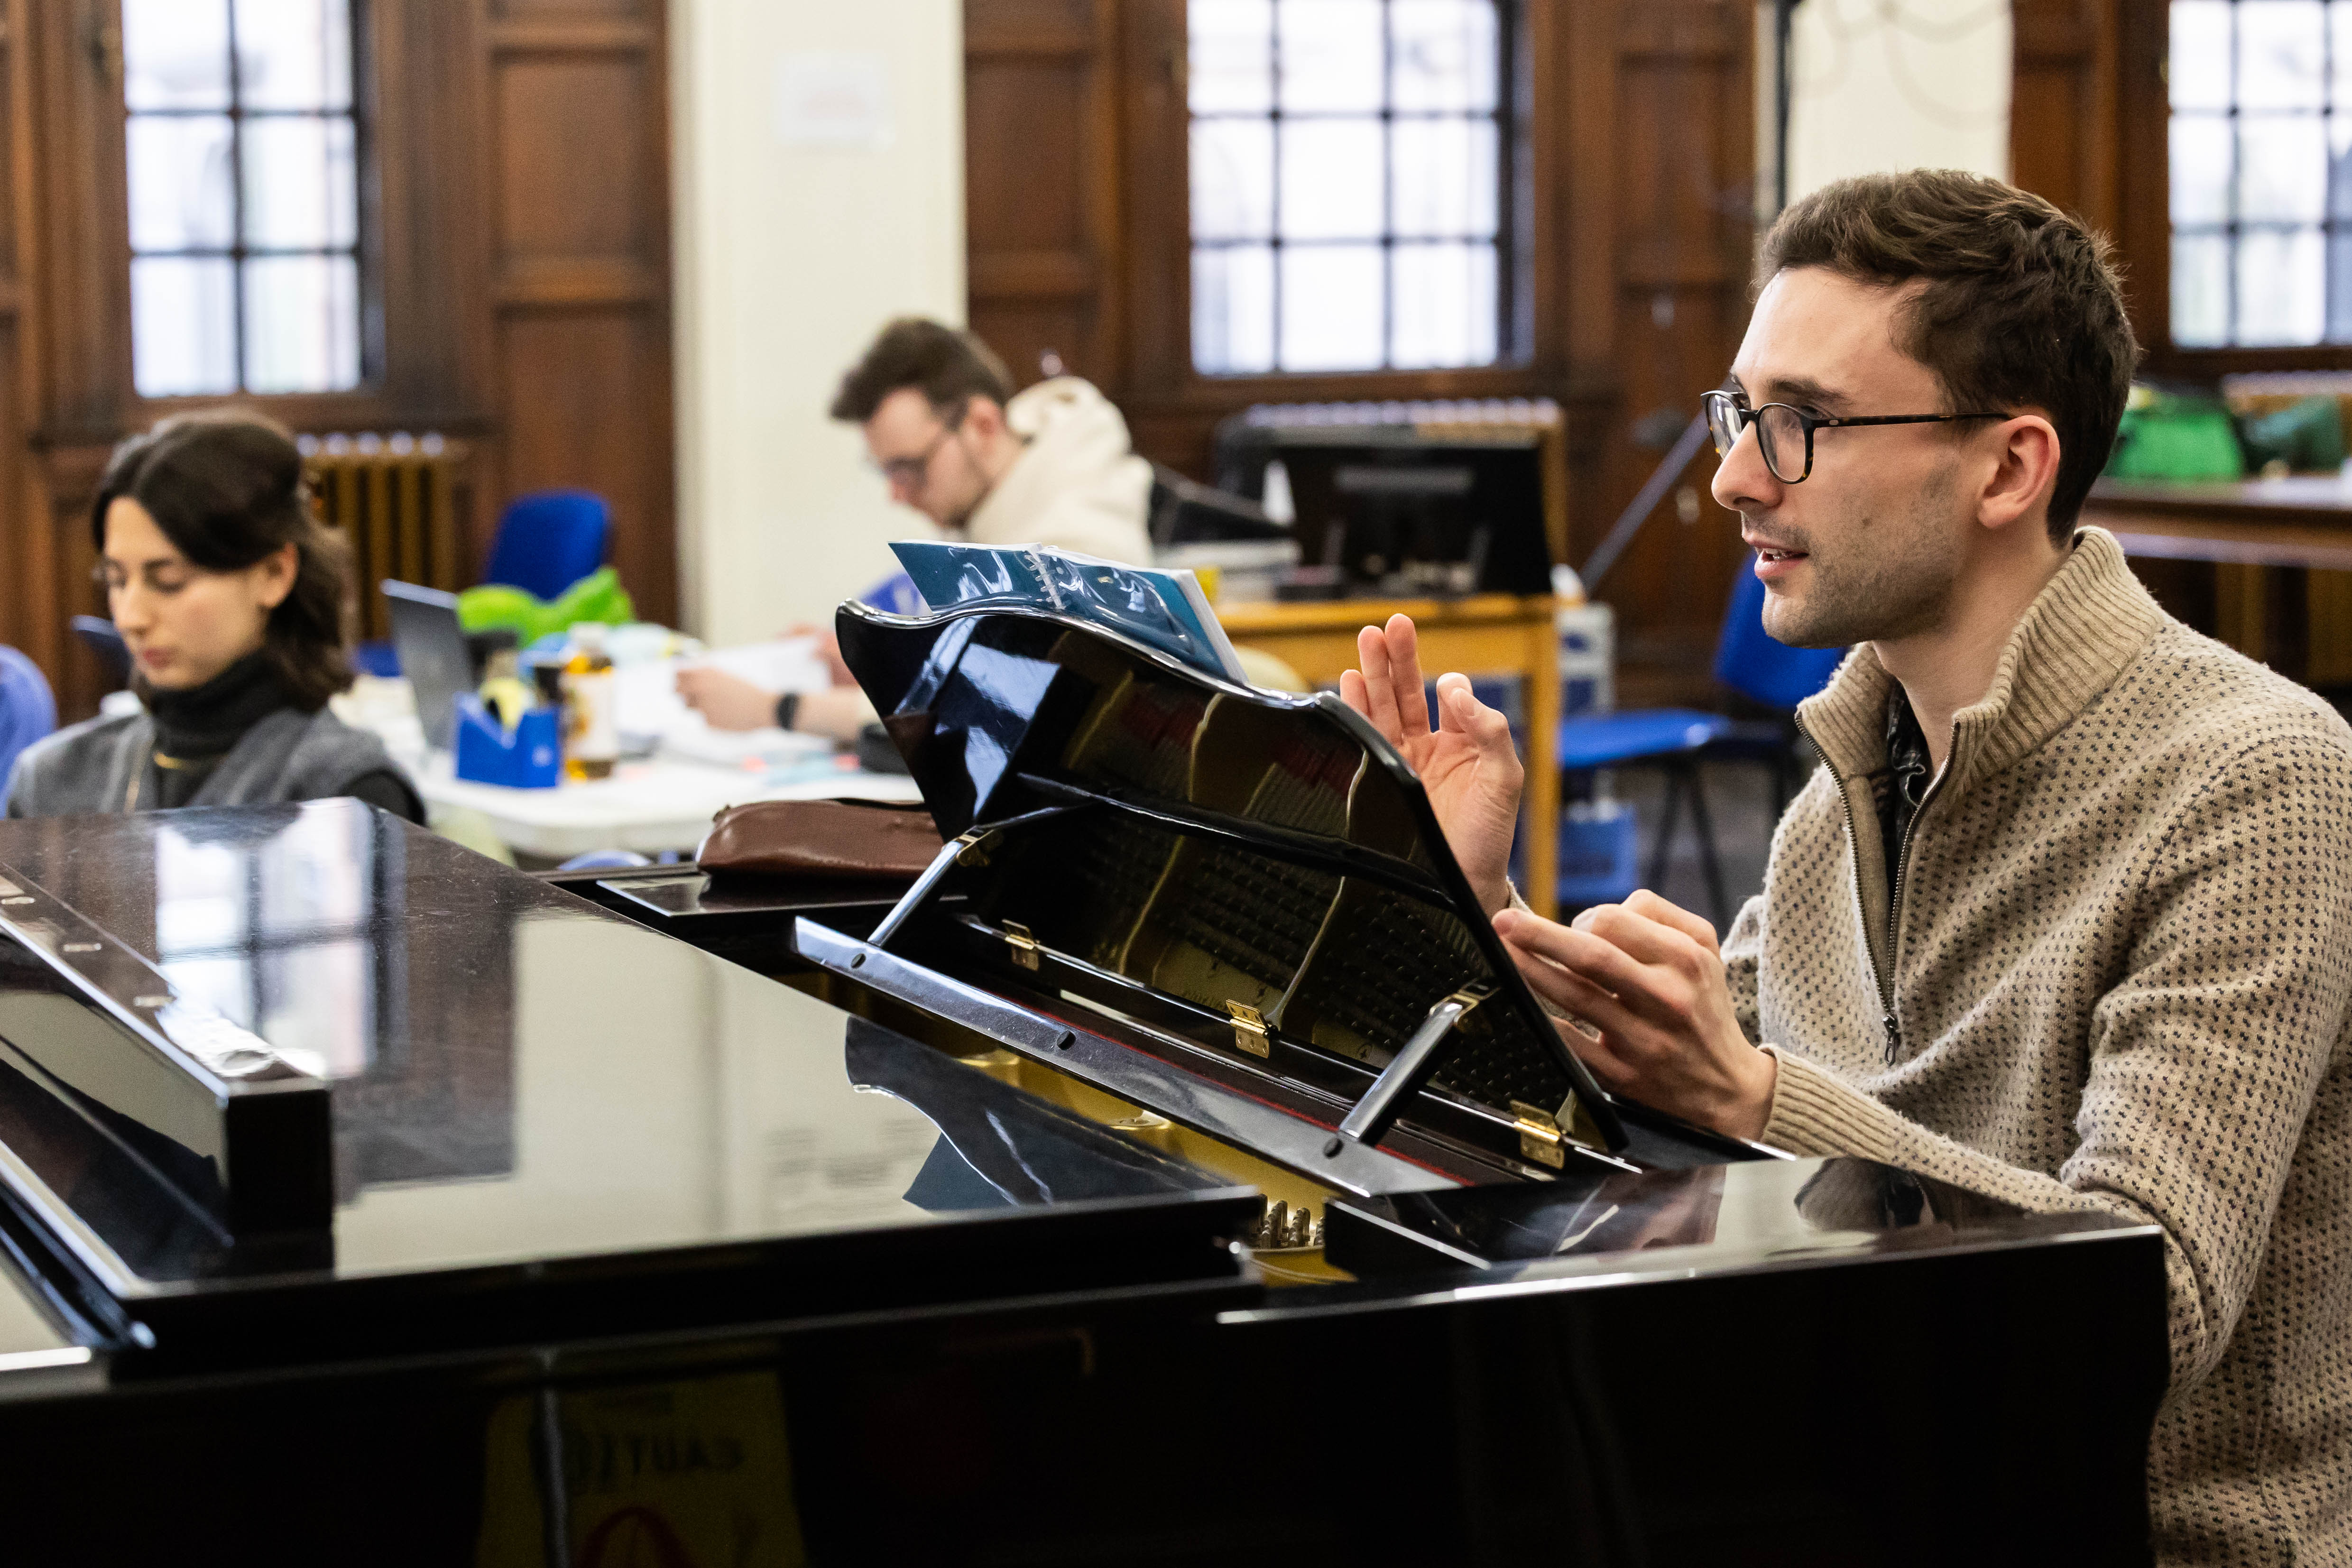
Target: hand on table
726,702
1649,978
1466,763
828,649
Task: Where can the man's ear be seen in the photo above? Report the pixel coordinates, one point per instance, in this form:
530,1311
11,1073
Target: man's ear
984,418
2025,469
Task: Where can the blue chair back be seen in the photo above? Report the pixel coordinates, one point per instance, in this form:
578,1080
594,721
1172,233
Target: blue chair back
896,595
27,711
1749,661
549,540
99,635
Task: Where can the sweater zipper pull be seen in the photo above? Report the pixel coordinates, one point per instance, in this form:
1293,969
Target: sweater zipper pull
1894,1036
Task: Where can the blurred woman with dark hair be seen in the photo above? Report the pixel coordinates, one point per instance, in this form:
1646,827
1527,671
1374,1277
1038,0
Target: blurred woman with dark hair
233,600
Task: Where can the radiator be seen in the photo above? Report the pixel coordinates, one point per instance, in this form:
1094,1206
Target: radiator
396,498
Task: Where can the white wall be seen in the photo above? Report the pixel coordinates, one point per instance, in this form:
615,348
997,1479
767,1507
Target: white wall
789,258
1896,84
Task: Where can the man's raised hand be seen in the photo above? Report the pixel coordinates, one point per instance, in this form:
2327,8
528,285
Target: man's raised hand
1465,761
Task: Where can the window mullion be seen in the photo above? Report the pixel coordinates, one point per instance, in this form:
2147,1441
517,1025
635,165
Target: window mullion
237,199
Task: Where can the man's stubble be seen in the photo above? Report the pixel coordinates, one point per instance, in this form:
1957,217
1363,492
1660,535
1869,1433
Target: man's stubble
1881,580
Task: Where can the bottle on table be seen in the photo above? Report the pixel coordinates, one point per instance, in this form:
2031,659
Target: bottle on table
592,732
504,692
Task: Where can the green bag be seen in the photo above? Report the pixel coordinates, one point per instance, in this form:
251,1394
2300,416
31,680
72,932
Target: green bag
2307,436
598,596
2173,437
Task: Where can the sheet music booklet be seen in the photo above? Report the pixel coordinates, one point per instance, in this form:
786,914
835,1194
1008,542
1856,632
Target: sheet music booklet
1164,609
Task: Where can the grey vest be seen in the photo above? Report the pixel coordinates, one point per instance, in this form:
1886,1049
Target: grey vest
288,755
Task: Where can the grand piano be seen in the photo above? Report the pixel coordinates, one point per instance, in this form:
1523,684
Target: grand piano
1176,1172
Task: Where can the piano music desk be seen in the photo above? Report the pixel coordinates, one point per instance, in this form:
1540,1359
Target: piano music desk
1485,634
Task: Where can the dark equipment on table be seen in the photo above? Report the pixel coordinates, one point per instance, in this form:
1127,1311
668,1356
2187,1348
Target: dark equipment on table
1454,501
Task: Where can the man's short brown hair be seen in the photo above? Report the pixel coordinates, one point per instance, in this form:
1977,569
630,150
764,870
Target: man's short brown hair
2022,305
947,366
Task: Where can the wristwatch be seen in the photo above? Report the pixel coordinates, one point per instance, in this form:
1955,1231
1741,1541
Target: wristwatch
788,707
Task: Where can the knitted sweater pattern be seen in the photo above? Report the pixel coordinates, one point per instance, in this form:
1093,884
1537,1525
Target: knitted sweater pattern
2119,977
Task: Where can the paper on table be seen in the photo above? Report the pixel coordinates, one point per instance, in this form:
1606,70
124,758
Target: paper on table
786,664
651,708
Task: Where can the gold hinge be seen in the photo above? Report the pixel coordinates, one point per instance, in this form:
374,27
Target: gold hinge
1249,1029
1470,996
1540,1140
973,850
1024,946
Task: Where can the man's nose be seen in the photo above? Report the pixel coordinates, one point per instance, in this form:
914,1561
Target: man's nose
1743,480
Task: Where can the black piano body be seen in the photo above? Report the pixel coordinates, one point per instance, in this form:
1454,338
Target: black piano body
663,1220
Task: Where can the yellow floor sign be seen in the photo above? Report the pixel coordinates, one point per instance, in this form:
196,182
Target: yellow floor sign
693,1474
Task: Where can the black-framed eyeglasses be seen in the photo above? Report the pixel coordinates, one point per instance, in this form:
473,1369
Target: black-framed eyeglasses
914,472
1780,428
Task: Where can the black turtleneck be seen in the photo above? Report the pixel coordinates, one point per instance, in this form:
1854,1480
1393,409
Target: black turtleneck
198,726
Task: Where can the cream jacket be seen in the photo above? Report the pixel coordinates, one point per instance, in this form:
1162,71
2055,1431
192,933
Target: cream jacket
1078,486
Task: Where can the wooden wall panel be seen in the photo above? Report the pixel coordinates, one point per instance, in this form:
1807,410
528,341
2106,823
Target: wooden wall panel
574,377
1042,192
582,275
19,542
1682,164
555,204
2062,116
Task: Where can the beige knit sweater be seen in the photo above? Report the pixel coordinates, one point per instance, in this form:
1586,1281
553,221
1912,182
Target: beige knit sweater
2118,978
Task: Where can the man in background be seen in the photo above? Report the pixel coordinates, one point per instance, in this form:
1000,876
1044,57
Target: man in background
1048,466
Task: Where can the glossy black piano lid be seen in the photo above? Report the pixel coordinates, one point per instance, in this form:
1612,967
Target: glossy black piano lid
519,1076
1709,1217
1253,847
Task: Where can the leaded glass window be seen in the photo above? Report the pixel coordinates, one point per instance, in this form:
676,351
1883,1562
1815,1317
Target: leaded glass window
1350,187
2262,172
243,143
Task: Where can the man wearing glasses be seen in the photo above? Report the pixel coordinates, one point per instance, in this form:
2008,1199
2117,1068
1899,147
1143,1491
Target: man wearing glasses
2067,916
1051,466
947,433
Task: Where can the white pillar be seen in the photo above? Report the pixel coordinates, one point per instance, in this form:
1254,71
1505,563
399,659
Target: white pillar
818,192
1919,84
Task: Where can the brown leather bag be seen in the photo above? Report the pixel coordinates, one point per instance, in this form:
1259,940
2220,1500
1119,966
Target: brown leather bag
841,840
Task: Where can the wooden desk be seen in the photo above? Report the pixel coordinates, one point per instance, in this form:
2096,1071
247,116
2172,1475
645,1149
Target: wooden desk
2245,527
1487,634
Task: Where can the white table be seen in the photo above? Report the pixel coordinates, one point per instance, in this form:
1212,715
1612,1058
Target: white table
648,806
651,805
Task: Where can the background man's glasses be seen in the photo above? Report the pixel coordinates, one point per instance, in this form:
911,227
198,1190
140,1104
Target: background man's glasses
911,473
1783,431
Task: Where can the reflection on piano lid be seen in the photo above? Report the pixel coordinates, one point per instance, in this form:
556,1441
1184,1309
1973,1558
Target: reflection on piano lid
1742,1215
651,1100
1250,883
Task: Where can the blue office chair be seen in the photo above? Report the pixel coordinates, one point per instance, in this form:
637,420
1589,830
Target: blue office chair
1677,739
605,860
27,711
549,540
1772,675
1671,740
105,643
